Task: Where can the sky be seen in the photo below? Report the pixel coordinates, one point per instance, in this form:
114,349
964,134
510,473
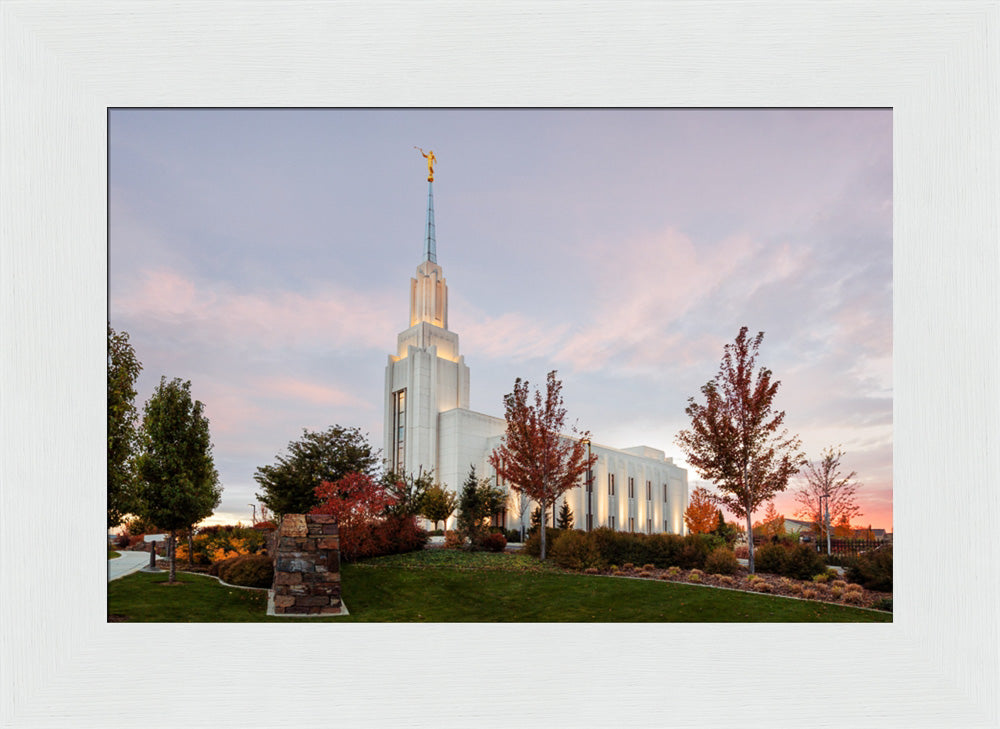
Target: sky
265,255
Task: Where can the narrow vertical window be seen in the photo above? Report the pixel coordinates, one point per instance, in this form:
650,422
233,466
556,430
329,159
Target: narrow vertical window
649,491
631,487
399,431
611,522
649,526
611,484
631,524
664,493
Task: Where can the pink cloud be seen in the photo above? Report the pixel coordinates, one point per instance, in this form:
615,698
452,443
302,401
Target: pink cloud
283,319
312,392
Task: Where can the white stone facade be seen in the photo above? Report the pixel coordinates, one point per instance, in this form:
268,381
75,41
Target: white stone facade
428,426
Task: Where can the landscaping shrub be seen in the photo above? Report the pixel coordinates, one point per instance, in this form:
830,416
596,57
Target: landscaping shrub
873,570
454,540
220,542
762,586
694,576
721,561
514,535
854,587
575,550
533,544
392,535
802,562
770,558
809,593
884,604
248,570
121,541
492,542
853,598
619,547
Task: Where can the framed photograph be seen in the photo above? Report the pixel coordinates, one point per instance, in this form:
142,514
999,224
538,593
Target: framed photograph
934,65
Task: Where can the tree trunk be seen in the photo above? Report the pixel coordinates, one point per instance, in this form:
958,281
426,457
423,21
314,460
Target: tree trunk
191,548
750,540
173,572
542,522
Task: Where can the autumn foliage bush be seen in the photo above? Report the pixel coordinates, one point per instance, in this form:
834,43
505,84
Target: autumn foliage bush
721,561
248,570
366,523
454,539
217,543
391,535
492,542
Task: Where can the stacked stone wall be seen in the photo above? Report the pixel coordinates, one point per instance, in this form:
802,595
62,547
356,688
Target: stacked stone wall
306,553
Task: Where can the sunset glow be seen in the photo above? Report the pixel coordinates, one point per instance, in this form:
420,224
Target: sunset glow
266,255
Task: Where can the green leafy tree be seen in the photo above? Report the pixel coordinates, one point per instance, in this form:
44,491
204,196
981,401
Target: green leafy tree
438,504
534,456
477,502
407,492
734,439
565,516
289,486
180,485
123,432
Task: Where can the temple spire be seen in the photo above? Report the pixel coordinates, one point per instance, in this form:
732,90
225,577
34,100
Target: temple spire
430,244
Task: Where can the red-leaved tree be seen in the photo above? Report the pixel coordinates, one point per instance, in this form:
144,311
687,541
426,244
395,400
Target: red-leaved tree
359,503
734,439
699,517
534,456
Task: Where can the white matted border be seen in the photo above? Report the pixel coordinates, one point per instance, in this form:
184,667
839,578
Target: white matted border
935,63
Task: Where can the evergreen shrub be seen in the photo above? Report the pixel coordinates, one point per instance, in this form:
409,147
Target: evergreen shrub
802,562
873,570
770,558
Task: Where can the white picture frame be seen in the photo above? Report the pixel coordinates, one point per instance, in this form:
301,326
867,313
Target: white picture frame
935,64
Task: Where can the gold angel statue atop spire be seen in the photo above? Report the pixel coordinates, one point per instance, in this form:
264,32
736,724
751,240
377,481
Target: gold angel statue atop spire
431,159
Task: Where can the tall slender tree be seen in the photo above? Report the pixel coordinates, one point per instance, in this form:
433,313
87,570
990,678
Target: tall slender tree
824,480
534,456
734,439
180,485
123,431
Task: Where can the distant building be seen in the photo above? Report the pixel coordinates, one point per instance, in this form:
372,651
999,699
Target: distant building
428,425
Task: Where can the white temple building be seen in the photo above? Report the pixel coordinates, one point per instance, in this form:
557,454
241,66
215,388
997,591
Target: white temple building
429,426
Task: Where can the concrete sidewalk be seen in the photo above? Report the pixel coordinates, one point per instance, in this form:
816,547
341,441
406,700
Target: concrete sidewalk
128,563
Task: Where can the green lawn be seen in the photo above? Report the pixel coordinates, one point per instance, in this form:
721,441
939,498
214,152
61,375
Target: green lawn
112,554
450,586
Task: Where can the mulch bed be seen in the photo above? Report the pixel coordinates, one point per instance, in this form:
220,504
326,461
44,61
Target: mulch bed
833,591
